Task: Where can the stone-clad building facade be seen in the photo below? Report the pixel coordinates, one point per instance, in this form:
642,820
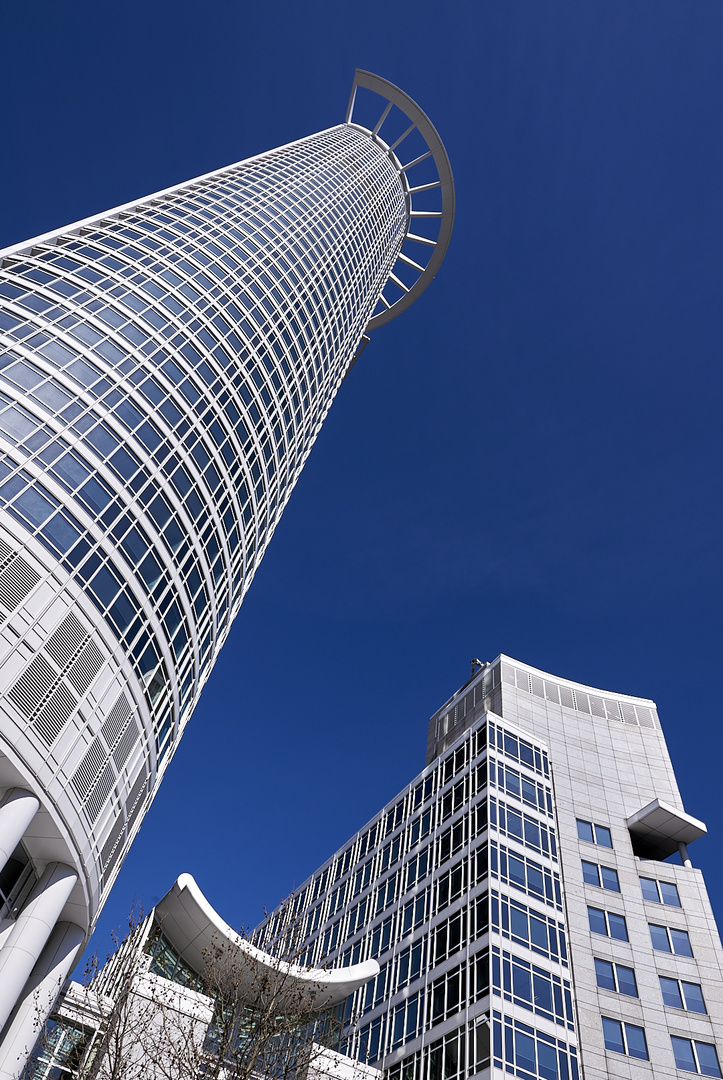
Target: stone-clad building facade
520,901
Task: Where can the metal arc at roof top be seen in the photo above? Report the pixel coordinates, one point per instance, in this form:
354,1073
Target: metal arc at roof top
421,123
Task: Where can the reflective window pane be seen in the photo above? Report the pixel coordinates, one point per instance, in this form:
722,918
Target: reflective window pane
604,974
671,993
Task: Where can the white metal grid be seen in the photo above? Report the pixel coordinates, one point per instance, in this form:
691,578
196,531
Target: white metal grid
164,374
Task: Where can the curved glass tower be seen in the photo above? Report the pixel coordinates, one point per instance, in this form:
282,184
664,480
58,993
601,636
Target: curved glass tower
165,370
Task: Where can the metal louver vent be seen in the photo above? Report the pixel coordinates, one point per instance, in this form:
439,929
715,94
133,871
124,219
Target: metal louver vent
65,643
6,554
87,772
86,667
115,723
55,714
137,798
645,717
16,581
126,744
34,686
578,700
111,850
101,791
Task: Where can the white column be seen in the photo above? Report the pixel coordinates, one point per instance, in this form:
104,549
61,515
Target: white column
38,998
684,856
30,933
17,810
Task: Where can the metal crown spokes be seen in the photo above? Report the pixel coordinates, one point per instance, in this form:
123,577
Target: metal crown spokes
429,226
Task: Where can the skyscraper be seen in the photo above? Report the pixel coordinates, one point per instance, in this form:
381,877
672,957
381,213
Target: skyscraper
166,368
520,898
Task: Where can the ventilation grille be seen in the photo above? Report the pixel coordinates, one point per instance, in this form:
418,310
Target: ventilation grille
85,775
41,693
34,686
55,714
65,643
623,712
6,554
94,779
17,578
125,746
111,850
103,787
86,667
115,722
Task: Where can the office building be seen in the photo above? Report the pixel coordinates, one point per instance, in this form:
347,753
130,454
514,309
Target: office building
185,995
165,370
529,897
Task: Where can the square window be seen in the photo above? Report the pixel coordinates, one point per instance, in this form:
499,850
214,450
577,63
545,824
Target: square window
659,938
613,1035
671,993
707,1059
669,893
681,942
626,981
604,974
618,928
650,890
604,838
590,873
683,1053
637,1046
584,831
693,996
609,879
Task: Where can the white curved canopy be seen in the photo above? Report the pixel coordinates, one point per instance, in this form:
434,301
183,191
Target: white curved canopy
198,933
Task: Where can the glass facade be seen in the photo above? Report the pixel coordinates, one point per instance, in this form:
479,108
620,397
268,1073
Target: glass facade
164,372
504,949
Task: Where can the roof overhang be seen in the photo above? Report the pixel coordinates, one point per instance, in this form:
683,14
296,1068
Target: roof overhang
200,935
659,828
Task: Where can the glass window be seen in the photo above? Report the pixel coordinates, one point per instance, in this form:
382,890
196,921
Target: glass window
682,995
707,1058
613,1034
618,929
626,980
615,977
659,938
609,879
602,876
660,892
596,918
693,997
669,893
584,831
603,838
670,989
624,1038
695,1057
635,1038
605,975
680,942
683,1053
593,833
590,873
650,890
607,923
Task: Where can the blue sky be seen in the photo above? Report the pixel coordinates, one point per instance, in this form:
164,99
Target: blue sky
526,461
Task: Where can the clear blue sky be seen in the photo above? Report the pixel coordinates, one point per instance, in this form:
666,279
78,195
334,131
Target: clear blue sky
527,461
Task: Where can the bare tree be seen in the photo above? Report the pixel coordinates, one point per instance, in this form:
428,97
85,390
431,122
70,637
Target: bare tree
146,1015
